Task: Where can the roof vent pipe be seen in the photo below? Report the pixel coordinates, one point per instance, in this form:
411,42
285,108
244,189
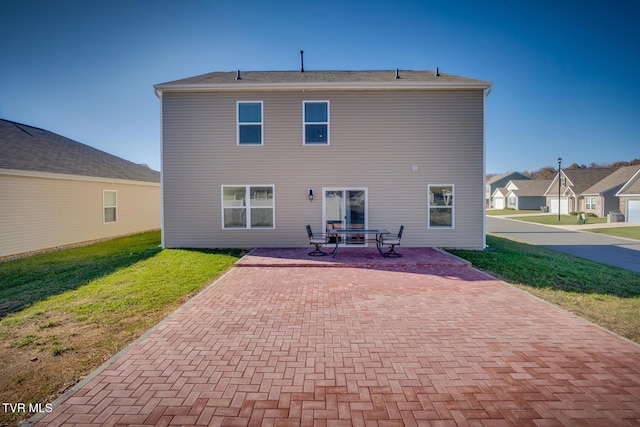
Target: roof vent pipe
437,72
302,61
397,73
238,75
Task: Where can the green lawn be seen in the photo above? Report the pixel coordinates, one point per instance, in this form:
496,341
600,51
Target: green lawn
63,314
628,232
606,295
501,212
552,219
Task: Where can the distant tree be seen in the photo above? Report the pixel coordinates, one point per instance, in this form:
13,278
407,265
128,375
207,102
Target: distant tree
547,172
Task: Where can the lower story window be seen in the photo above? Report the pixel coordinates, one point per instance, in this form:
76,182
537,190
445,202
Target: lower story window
247,206
590,202
440,206
109,206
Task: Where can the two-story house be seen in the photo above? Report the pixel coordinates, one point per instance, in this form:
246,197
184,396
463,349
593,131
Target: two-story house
250,158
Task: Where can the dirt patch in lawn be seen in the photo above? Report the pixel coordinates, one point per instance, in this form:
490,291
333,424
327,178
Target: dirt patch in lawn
44,358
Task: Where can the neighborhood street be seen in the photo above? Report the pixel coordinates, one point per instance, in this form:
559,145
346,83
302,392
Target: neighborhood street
606,249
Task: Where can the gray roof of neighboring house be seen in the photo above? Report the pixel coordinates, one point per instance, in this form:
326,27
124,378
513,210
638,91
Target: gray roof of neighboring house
249,78
615,179
28,148
531,187
632,187
500,190
496,178
581,179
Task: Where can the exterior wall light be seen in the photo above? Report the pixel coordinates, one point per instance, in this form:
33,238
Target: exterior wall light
311,194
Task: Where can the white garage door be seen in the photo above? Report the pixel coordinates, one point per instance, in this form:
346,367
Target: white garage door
564,206
633,211
498,202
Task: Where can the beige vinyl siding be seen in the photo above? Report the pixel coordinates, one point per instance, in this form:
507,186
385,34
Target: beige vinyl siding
40,213
376,138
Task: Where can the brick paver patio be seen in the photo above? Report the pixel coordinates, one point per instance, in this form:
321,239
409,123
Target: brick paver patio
279,343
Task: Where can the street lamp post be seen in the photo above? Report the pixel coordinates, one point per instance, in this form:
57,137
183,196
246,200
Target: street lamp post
559,167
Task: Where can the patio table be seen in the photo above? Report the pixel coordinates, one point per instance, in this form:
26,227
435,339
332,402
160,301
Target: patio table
377,231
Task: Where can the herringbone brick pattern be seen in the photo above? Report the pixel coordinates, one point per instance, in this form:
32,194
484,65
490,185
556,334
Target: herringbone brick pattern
311,346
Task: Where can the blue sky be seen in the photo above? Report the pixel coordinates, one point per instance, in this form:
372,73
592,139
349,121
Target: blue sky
564,72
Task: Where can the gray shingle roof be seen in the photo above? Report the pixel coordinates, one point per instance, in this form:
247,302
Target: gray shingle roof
631,187
504,175
531,187
322,77
585,178
24,147
617,178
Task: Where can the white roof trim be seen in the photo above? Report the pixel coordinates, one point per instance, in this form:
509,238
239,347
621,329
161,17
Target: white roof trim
69,177
628,183
324,86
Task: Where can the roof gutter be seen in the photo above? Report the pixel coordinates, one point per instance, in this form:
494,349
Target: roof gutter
321,86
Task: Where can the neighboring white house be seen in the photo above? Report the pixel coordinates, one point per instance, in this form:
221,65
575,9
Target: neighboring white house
526,193
498,181
499,198
250,158
56,192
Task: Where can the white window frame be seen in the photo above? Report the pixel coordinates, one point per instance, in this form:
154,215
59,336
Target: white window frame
247,206
305,123
452,207
239,124
592,203
105,207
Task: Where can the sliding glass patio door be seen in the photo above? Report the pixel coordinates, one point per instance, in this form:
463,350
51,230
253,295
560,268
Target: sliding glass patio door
345,208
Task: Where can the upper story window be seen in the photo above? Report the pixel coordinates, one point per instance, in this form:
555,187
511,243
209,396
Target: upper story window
109,206
250,123
316,122
441,205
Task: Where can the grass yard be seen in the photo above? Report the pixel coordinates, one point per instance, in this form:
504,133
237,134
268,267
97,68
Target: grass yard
552,219
502,212
606,295
65,313
628,232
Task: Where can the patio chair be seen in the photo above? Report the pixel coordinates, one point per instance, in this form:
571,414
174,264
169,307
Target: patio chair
318,241
391,240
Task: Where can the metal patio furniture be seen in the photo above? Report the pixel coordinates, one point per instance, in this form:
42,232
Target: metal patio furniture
318,241
391,240
336,233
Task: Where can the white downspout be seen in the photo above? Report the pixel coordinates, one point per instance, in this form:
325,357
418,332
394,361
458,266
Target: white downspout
162,240
487,91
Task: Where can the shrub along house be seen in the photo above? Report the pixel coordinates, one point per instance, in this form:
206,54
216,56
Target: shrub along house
57,192
250,158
